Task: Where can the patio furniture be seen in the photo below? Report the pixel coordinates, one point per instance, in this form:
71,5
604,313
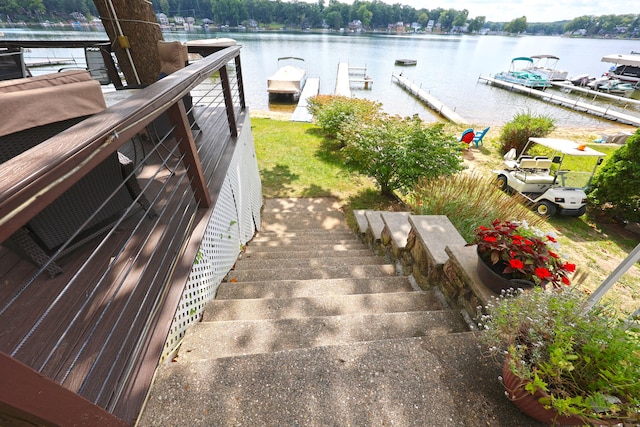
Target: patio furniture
42,107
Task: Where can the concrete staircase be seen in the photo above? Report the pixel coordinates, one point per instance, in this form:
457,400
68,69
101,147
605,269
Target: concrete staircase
312,328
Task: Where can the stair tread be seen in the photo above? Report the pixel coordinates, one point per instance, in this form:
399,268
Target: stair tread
305,254
312,287
423,381
279,308
260,336
331,272
297,263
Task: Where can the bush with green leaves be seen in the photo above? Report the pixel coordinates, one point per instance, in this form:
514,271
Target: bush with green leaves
615,188
333,112
397,152
523,126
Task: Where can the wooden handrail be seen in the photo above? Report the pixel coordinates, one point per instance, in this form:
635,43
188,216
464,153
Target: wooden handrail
32,180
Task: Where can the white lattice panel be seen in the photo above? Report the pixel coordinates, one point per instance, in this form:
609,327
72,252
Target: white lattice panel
232,224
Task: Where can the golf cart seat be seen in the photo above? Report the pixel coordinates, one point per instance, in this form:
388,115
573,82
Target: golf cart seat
527,163
534,178
543,162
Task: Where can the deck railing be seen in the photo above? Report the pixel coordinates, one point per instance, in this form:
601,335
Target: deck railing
130,287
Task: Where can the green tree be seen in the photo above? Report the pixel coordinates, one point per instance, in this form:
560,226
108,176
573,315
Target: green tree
517,26
614,190
476,24
365,15
398,152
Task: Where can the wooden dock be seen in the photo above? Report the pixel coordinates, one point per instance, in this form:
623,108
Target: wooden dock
343,87
431,101
577,105
301,114
596,94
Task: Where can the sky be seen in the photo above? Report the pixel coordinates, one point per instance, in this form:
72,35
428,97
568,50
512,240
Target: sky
535,11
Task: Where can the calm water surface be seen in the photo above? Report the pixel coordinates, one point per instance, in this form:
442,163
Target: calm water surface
448,67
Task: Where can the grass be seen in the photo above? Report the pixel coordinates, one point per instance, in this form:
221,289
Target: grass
295,160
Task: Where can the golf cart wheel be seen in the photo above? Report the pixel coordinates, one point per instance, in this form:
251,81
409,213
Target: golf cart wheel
545,208
501,183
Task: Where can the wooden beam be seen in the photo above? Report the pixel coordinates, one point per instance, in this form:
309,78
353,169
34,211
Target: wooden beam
178,115
28,396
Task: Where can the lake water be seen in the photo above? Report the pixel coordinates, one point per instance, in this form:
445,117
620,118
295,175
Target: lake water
448,67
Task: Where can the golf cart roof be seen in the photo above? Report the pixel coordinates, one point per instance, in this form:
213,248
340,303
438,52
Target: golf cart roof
566,146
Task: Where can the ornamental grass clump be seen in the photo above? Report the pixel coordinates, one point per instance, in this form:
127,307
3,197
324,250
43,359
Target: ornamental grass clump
585,361
523,252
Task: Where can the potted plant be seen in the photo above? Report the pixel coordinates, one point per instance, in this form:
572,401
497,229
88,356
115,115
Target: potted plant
517,252
562,364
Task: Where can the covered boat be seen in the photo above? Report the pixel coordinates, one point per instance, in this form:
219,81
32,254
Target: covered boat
289,79
626,68
519,75
545,65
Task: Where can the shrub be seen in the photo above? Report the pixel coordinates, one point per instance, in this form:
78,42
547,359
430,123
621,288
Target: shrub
614,189
398,152
517,132
331,113
469,200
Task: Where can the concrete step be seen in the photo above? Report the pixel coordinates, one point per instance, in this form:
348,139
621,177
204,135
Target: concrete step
307,232
306,238
293,221
281,308
319,204
333,272
284,245
312,288
237,337
441,381
340,261
268,254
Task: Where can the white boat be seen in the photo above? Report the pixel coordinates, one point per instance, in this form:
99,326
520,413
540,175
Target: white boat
519,75
626,68
545,65
289,79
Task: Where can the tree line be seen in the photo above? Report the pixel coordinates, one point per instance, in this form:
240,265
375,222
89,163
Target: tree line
373,15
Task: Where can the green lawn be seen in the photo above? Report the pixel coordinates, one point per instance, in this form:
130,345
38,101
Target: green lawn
295,160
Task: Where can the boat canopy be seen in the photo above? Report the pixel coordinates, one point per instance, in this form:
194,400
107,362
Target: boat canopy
522,58
545,57
632,60
567,147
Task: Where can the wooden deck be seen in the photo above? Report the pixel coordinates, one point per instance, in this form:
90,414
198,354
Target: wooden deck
85,327
99,328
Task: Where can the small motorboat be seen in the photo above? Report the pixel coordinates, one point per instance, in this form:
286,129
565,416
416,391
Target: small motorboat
289,79
519,75
405,61
581,80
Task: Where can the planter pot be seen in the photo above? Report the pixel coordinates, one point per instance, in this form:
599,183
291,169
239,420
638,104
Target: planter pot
497,282
529,404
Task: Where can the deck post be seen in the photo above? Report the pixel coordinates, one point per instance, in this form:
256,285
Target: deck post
228,101
178,115
240,83
30,397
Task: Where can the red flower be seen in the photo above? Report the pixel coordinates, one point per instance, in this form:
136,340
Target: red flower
552,239
565,281
516,263
543,273
553,254
490,239
570,267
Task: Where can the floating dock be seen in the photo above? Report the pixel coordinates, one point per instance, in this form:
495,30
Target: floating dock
301,114
577,105
430,100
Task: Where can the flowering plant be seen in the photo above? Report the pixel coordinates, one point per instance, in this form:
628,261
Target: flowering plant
522,252
584,361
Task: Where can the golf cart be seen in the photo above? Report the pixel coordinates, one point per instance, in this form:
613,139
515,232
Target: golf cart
542,180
